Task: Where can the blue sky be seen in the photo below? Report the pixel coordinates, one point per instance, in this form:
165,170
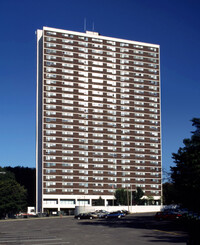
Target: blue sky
174,25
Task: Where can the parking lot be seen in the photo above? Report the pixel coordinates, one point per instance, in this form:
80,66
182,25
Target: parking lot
138,229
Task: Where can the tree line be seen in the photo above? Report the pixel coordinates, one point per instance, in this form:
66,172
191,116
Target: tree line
17,189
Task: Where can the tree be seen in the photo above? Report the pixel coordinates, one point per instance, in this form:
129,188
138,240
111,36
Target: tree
98,202
186,174
169,193
26,177
137,196
4,174
122,197
12,195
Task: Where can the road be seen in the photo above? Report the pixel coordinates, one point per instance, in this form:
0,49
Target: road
137,229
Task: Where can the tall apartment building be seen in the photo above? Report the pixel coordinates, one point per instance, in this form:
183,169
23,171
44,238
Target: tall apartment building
98,118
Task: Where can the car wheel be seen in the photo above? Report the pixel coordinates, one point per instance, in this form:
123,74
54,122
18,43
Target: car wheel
79,218
119,217
90,217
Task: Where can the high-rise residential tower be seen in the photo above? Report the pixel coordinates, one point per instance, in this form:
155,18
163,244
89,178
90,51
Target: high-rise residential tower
98,118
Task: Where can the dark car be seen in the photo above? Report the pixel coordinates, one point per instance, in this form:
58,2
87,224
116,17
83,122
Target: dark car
126,212
174,215
161,215
167,215
85,216
113,215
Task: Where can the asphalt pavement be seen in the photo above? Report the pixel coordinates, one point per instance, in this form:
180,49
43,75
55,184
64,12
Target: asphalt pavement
137,229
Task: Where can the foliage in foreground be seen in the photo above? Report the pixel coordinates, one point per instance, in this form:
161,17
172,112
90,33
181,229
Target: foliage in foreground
186,174
12,195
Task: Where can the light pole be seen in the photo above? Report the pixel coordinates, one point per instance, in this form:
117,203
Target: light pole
131,198
127,197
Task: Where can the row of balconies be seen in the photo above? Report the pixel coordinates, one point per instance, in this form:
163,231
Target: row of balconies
94,185
103,172
97,42
61,73
91,66
77,140
55,55
119,52
71,191
117,98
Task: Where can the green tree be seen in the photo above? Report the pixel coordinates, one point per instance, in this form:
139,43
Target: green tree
12,195
5,175
137,196
169,193
98,202
186,173
122,197
26,177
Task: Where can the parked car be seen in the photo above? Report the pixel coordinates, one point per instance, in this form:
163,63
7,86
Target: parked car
167,215
117,214
174,215
94,214
85,216
25,215
160,215
126,212
101,213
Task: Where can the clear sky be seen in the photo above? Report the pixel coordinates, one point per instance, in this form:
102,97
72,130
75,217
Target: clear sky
173,24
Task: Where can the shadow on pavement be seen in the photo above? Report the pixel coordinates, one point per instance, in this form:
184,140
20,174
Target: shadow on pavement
161,231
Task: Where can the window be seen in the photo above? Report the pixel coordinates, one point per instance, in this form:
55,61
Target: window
49,138
97,74
97,51
67,47
111,59
51,33
97,129
51,39
67,201
67,41
124,50
67,190
97,57
83,38
111,65
68,53
111,48
50,171
67,71
67,146
97,40
83,43
111,42
67,65
97,63
83,56
50,57
51,76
